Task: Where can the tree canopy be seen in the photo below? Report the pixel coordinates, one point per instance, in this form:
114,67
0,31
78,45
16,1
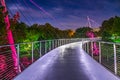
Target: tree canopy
110,28
81,32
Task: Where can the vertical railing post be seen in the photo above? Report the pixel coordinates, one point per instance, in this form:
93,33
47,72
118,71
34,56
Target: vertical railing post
99,52
53,44
71,40
115,59
85,47
45,47
18,58
61,42
92,49
88,47
50,45
64,41
58,43
40,49
32,52
82,42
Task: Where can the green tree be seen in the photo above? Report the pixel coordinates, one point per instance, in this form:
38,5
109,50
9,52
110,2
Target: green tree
81,32
19,31
3,34
116,26
110,28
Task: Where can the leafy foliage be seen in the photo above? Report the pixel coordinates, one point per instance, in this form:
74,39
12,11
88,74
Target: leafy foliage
81,32
110,29
2,27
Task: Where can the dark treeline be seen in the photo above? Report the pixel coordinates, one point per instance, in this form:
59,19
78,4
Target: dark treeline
81,32
24,33
110,30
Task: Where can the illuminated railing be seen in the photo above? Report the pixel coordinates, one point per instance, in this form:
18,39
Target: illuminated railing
109,55
27,53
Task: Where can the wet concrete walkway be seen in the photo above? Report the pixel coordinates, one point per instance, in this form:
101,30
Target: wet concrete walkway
66,63
67,67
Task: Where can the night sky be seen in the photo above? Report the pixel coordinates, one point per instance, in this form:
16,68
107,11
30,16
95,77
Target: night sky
64,14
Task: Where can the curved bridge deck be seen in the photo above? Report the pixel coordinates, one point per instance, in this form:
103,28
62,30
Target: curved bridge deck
68,62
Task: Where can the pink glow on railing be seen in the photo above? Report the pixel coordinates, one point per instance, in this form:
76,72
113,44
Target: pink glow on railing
2,64
10,37
94,46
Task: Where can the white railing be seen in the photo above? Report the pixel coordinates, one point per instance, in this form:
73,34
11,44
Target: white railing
109,55
27,53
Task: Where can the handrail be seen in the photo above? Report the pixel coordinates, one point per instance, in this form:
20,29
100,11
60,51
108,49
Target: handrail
41,67
109,53
29,52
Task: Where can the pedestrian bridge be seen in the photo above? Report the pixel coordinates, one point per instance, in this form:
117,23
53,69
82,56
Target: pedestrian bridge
67,62
70,59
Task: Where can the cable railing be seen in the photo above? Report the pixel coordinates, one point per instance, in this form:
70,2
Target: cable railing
108,55
27,53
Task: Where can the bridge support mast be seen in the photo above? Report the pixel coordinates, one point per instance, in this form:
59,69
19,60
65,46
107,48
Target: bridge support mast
89,24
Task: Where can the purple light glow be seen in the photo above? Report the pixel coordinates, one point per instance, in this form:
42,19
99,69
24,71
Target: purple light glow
94,46
2,64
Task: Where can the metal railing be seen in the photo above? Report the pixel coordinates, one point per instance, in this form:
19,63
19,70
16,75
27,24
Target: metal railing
27,53
108,56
